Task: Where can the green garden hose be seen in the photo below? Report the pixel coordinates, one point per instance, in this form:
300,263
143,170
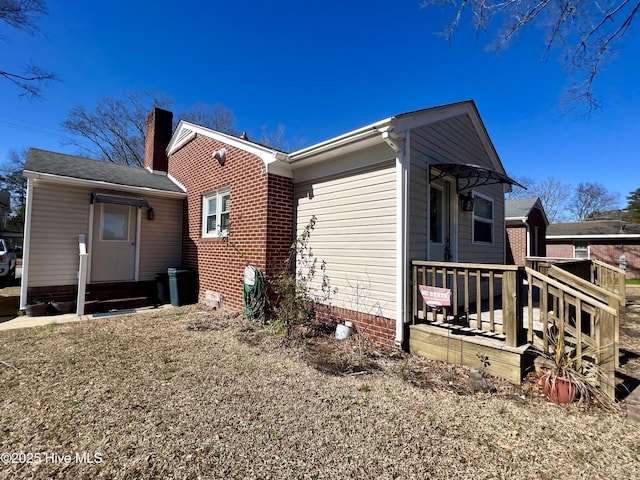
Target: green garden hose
253,298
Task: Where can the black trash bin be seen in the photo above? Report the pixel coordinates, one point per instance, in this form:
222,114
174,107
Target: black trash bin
162,288
181,286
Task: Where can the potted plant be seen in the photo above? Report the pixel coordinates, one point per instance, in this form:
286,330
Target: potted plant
568,375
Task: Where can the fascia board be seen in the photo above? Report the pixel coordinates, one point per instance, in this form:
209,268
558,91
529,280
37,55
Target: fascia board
79,182
349,138
409,121
267,155
629,236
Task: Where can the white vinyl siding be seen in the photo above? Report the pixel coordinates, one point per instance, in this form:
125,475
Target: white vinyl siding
355,235
454,140
61,213
160,238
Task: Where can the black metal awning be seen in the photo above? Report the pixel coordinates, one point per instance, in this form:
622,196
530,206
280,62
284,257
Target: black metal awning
469,176
119,200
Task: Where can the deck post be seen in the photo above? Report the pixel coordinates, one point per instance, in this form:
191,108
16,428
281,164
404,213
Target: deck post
512,307
606,325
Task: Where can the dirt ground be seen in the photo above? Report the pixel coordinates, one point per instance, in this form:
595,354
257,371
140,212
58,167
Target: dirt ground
189,393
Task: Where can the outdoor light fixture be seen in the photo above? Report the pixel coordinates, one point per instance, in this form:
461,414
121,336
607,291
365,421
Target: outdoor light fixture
467,201
220,156
151,215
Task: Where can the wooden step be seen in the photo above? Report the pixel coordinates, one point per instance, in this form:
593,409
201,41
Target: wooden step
100,306
468,347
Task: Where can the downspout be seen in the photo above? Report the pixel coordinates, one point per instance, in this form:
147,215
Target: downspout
26,244
528,249
400,145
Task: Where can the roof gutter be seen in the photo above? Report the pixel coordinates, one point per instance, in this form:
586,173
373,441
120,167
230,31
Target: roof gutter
354,136
599,237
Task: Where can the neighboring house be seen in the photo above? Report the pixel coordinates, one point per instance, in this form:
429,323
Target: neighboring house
131,219
526,229
611,241
425,185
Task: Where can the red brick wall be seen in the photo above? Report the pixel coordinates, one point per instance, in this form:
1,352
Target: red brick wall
253,238
608,252
280,224
560,250
378,329
516,244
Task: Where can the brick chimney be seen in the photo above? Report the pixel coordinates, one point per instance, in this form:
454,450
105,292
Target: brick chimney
159,128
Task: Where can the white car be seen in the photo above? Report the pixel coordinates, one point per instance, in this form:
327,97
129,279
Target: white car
7,262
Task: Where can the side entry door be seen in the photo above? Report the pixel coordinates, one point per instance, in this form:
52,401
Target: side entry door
113,256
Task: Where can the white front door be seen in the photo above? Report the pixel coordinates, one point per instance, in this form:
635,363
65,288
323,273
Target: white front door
439,222
113,255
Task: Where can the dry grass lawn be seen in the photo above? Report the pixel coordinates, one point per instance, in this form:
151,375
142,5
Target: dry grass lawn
186,393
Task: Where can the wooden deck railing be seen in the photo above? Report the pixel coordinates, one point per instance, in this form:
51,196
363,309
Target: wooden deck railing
589,325
610,278
482,289
599,273
488,291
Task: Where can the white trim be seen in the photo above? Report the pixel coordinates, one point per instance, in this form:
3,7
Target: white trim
402,235
26,245
629,236
492,222
218,194
369,131
62,180
588,251
267,154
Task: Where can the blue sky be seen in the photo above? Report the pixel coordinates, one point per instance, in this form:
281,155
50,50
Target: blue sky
322,69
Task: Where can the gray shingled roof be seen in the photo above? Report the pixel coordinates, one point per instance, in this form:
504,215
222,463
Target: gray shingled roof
595,227
519,207
60,164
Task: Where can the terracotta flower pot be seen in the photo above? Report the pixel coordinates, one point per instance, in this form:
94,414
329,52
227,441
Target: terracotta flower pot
558,389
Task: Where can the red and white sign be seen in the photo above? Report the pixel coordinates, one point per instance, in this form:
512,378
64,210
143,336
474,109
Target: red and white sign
436,296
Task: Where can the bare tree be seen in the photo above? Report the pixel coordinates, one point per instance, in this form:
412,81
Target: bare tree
591,199
11,178
23,15
217,117
586,31
554,195
278,140
115,129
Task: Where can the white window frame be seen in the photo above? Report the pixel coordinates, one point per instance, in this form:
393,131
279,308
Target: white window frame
584,247
488,221
219,196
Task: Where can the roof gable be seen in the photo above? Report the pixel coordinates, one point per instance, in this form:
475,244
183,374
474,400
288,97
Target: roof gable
520,208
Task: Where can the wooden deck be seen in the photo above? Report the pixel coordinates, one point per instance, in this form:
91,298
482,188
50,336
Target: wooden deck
498,313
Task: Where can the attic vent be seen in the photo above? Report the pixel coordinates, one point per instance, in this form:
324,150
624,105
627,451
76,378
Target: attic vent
184,136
